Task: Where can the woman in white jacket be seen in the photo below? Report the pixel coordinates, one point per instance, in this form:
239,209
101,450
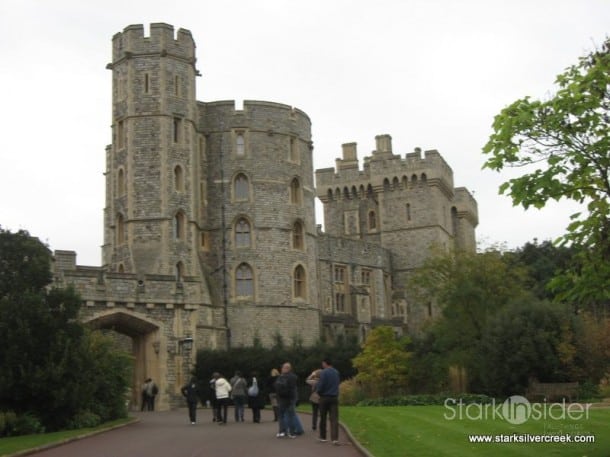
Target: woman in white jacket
223,389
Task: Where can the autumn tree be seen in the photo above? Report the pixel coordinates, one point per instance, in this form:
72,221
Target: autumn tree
383,364
562,144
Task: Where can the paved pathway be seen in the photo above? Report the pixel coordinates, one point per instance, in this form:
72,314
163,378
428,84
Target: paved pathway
169,434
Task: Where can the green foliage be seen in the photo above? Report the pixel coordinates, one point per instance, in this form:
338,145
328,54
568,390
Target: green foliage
426,400
383,364
563,144
8,421
52,367
27,424
84,419
350,392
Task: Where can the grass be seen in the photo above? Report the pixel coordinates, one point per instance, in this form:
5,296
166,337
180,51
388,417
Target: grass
403,431
14,444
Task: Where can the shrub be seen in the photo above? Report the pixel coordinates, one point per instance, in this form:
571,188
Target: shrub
84,419
8,419
350,392
27,424
425,400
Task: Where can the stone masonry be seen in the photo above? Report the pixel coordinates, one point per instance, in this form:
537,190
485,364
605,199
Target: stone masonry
210,237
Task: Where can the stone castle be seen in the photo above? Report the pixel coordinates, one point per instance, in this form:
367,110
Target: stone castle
210,237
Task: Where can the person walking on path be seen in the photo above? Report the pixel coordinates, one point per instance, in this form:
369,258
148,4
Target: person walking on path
328,390
190,392
272,394
222,389
256,399
314,398
238,392
149,392
286,389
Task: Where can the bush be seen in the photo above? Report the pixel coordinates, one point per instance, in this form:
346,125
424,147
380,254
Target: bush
8,420
27,424
425,400
350,392
84,419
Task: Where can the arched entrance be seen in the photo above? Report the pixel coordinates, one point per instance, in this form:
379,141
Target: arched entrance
145,345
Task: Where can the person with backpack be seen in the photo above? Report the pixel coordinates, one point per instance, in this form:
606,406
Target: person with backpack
238,392
286,390
222,389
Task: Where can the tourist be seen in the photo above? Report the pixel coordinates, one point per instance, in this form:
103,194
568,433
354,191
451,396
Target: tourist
190,392
238,392
328,390
314,398
149,392
256,399
286,390
272,394
222,389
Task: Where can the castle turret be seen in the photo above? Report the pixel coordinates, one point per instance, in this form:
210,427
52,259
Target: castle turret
151,214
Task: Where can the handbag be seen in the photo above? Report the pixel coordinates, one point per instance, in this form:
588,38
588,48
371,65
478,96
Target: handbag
253,389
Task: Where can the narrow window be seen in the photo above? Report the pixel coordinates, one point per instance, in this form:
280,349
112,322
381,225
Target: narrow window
244,281
408,211
240,145
121,134
294,151
179,271
395,183
386,184
177,126
203,194
295,192
120,229
204,240
365,277
179,226
176,85
121,268
299,282
146,83
121,183
242,233
178,179
241,187
297,236
372,220
340,302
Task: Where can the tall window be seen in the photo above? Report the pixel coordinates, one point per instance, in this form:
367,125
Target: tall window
176,85
340,285
121,134
178,179
242,188
365,277
294,151
408,211
146,83
179,271
297,236
295,192
244,281
299,282
372,220
242,233
180,226
120,229
121,183
176,129
240,145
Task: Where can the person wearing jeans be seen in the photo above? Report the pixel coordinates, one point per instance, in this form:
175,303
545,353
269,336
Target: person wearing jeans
223,388
328,390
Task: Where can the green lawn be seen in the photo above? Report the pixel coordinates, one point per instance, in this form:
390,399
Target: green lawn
422,431
14,444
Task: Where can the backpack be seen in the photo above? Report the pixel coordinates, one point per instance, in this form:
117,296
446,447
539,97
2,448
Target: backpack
282,387
253,389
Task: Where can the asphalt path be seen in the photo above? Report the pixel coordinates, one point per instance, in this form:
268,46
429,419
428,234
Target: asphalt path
170,434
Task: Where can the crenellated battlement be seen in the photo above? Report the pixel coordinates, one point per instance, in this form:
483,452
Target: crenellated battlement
162,41
466,205
384,166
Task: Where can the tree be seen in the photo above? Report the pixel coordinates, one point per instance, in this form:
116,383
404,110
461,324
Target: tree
52,367
564,145
383,364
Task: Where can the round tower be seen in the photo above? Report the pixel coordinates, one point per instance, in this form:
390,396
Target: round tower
261,219
151,209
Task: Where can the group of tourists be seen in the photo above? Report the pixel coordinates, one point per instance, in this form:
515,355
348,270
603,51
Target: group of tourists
282,390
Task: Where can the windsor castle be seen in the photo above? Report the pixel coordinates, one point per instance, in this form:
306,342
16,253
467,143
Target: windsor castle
210,237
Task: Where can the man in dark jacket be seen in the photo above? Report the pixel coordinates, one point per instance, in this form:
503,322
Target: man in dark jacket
328,390
190,393
286,390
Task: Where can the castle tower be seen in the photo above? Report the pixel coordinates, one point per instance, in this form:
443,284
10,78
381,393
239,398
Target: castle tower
405,205
261,219
151,216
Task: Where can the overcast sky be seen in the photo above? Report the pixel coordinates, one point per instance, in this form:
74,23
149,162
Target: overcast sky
432,74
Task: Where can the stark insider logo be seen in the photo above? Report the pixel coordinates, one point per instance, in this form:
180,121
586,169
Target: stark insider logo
515,410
